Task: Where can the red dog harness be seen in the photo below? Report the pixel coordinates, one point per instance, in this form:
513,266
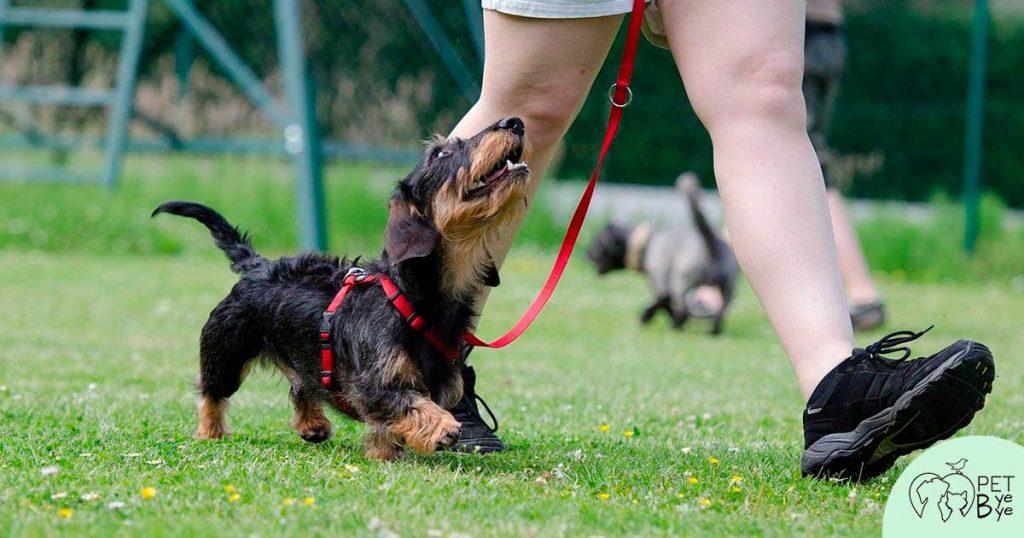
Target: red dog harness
358,277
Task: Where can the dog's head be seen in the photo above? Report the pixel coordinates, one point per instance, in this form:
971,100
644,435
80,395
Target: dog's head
459,200
608,251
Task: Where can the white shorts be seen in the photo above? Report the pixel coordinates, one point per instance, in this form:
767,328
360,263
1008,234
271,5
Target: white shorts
578,9
560,9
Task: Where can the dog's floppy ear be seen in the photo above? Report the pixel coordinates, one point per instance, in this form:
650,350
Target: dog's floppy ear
491,277
408,234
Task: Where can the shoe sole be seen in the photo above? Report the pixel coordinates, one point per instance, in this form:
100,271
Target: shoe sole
477,446
870,449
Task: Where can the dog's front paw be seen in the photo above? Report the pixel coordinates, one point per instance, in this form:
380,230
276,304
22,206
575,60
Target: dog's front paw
427,427
383,445
384,452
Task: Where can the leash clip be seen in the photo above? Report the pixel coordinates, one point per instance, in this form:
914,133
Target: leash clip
611,95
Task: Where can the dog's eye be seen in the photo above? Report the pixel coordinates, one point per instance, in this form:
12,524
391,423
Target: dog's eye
442,153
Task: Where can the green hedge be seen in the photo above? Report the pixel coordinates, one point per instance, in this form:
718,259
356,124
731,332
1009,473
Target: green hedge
903,97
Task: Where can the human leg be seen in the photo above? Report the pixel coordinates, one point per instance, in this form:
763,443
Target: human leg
539,70
864,410
744,84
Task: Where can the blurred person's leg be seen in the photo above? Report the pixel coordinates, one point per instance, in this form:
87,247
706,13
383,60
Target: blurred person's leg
860,288
742,64
824,64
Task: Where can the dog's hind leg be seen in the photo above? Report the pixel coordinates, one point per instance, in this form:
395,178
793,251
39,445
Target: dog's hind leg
650,311
677,309
226,349
309,420
727,289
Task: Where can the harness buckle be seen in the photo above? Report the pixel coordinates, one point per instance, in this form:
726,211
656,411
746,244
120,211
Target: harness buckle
325,327
356,274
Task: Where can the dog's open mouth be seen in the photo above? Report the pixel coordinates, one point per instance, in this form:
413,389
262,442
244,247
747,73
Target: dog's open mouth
509,168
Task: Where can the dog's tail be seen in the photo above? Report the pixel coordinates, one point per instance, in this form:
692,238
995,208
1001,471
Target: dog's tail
235,244
689,184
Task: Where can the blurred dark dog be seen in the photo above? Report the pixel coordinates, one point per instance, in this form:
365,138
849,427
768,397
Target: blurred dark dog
677,262
396,373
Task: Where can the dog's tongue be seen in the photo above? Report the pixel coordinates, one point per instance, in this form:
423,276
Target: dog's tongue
509,166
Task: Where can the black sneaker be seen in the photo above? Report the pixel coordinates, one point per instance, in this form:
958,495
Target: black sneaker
867,316
475,435
870,410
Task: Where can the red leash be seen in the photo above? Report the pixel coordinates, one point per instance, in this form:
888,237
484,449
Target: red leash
620,96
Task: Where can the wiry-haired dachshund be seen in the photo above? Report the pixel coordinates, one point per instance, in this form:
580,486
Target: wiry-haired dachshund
444,216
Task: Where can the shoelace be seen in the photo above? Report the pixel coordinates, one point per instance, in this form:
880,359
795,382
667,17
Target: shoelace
888,344
494,419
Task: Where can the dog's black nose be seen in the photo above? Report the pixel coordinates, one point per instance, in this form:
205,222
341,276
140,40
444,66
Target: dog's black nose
513,124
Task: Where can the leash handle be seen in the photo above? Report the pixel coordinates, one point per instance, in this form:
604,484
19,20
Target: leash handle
620,96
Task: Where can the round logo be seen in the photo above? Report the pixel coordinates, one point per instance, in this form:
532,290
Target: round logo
963,485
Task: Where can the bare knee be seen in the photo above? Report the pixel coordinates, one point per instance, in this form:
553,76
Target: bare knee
764,87
548,108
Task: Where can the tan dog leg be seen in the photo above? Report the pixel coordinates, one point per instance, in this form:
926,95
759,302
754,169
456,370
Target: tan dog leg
383,445
211,418
310,422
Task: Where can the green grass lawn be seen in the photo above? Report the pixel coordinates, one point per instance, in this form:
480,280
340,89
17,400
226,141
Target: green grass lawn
98,353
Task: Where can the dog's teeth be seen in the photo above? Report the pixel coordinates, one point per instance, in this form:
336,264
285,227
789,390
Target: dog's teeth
509,165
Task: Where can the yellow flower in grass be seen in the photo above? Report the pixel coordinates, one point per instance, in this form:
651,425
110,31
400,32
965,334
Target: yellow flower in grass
65,513
309,501
288,501
234,497
604,496
736,489
229,489
352,469
693,480
705,502
714,461
148,492
736,479
604,428
628,434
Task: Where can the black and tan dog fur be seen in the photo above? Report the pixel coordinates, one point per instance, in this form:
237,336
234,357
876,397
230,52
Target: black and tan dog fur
443,217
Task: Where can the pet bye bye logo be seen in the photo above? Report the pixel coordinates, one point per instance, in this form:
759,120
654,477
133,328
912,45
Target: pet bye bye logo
963,485
957,493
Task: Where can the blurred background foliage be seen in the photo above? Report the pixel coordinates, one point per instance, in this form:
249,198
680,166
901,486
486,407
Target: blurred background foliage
256,194
899,119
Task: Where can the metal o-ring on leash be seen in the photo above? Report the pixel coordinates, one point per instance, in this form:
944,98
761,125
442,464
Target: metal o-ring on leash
611,96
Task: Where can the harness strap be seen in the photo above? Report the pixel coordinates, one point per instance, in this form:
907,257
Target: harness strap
620,96
353,278
416,322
